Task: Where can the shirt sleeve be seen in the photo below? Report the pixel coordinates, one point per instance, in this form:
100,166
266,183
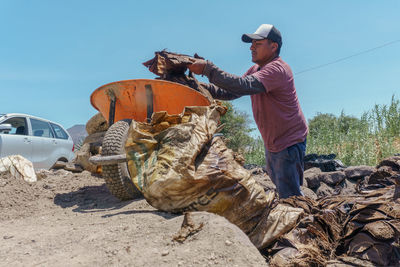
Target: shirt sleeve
270,76
239,86
219,93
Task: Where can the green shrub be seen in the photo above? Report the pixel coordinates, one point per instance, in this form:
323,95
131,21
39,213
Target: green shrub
357,141
256,152
237,134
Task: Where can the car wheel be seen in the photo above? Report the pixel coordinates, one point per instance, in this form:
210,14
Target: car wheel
116,176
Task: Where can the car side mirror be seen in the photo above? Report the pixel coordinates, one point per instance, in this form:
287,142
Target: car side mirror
5,128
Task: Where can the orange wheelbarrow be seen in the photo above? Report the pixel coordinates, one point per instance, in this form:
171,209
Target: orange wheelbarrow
124,101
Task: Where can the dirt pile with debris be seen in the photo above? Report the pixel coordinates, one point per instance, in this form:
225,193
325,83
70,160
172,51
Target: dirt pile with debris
19,198
70,218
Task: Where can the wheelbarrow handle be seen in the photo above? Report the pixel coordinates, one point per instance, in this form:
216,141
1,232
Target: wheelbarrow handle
108,160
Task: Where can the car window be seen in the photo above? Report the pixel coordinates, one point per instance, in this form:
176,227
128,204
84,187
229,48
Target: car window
60,133
18,125
41,128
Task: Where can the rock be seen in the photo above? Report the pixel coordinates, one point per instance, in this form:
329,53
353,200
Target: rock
91,146
42,174
305,182
95,140
165,253
324,190
73,167
332,178
393,162
61,173
18,167
212,239
311,176
228,243
96,124
264,180
326,163
251,166
396,194
309,193
59,164
347,187
315,157
82,159
386,174
358,172
381,177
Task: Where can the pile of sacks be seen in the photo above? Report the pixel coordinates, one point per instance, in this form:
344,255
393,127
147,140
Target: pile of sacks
180,165
362,229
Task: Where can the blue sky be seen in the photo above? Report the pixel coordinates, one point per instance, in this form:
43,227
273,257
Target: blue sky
54,54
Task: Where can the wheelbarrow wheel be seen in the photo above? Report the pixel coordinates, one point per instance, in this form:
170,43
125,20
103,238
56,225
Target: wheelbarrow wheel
117,176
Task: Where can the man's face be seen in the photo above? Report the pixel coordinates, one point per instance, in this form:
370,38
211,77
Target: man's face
263,51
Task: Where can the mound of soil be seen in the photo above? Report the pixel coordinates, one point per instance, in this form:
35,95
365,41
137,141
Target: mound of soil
71,219
19,198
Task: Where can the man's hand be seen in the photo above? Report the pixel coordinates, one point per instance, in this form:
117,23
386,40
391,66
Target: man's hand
197,67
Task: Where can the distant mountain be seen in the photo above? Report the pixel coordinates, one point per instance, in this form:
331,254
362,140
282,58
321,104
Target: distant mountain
78,133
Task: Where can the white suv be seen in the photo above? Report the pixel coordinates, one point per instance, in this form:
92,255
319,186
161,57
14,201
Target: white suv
41,141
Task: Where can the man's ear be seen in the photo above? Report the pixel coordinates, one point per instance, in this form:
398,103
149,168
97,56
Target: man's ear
275,46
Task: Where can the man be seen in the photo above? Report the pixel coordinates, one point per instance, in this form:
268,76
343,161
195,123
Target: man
275,105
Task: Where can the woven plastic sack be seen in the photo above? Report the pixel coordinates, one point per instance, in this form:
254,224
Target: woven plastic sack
179,165
19,167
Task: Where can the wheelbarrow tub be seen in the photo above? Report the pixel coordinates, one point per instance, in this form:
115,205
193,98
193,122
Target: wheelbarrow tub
137,99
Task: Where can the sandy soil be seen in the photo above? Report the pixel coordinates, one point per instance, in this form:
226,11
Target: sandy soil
71,219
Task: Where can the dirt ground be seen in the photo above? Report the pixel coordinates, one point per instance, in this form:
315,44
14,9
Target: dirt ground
72,219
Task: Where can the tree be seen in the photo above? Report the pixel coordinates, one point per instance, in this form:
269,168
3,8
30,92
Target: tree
321,122
324,122
237,134
236,129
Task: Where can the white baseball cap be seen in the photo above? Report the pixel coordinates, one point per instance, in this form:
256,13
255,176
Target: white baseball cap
265,31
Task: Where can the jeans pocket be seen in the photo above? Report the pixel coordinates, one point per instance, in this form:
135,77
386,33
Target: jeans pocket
293,153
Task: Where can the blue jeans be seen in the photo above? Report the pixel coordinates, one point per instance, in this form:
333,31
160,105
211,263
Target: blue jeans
285,168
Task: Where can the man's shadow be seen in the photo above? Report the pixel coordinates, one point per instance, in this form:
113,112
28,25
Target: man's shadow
90,199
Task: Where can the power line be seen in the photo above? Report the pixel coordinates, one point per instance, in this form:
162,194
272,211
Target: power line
345,58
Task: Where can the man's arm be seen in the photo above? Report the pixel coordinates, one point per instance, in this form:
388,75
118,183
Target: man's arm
219,93
236,85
